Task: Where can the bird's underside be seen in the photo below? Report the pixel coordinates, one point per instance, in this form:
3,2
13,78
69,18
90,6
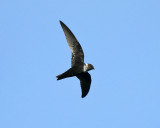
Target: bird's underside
77,62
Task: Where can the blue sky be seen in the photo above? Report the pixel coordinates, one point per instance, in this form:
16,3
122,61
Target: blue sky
120,38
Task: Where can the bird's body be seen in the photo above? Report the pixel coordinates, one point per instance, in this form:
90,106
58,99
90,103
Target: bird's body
78,67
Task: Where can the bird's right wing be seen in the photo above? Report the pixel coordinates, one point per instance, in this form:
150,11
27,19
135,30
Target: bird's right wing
85,80
75,47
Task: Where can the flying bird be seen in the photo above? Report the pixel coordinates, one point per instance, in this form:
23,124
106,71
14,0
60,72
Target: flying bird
78,67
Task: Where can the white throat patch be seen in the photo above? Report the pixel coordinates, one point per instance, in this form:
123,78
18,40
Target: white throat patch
85,67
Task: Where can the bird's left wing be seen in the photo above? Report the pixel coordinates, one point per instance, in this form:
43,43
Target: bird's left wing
75,47
85,80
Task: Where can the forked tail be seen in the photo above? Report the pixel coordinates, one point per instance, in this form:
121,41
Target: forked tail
61,76
68,73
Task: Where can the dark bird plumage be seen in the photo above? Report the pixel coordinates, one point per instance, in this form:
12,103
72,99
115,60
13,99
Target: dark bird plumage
78,67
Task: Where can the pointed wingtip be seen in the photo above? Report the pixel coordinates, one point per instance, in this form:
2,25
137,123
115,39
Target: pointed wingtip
61,22
83,96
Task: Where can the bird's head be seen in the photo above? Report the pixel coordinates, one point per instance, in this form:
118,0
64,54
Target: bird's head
88,67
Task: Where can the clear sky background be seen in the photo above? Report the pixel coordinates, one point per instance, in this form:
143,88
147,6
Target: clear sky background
121,38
